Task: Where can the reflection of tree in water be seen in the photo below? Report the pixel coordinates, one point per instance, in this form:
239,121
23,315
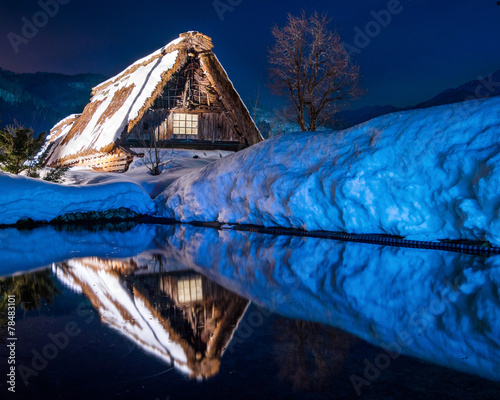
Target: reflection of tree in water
308,353
29,291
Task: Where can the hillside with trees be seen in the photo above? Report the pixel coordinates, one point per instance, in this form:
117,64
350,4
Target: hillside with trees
39,100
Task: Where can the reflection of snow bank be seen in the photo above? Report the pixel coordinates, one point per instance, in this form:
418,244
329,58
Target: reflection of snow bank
424,174
447,303
30,249
22,198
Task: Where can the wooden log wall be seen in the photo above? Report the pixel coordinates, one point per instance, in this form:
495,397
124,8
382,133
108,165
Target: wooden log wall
216,127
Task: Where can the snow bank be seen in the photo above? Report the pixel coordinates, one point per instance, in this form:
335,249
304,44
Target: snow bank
23,198
424,174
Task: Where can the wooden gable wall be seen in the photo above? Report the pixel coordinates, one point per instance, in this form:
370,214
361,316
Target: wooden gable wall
188,92
213,127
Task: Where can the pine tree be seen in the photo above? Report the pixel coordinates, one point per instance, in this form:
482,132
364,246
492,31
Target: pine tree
18,150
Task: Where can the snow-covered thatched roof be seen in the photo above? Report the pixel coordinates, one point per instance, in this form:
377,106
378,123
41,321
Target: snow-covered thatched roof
119,103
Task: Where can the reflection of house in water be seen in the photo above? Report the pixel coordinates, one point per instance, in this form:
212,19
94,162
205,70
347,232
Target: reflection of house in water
179,316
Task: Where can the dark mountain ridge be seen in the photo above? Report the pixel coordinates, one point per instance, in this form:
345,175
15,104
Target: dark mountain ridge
39,100
480,88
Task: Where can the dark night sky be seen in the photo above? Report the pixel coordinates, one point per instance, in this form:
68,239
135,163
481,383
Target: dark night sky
429,46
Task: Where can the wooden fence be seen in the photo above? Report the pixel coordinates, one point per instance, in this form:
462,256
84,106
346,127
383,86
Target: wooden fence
103,162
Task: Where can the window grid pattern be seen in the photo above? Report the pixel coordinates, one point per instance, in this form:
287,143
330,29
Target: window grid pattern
185,124
190,290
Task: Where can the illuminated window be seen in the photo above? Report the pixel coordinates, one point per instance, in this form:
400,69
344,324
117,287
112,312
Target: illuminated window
185,124
190,289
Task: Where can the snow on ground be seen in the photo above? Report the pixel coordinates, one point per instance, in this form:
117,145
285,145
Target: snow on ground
23,198
425,174
88,190
177,163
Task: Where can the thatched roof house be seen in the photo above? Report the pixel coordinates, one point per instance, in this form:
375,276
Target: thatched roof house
179,96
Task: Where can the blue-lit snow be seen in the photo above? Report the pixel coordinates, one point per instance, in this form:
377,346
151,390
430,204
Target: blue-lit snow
424,174
23,198
88,190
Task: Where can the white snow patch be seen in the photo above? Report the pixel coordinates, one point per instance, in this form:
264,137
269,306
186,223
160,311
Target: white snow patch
175,164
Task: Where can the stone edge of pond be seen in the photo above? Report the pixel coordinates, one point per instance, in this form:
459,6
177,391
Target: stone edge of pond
461,246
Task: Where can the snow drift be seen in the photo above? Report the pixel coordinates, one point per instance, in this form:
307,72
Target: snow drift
23,198
425,174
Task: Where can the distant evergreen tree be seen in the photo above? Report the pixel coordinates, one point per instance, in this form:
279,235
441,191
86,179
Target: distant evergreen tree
55,174
18,150
18,154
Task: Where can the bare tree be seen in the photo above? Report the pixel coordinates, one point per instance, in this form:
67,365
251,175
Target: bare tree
155,157
310,66
152,153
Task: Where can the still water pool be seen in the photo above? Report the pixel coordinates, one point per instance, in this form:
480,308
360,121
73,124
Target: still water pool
182,312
